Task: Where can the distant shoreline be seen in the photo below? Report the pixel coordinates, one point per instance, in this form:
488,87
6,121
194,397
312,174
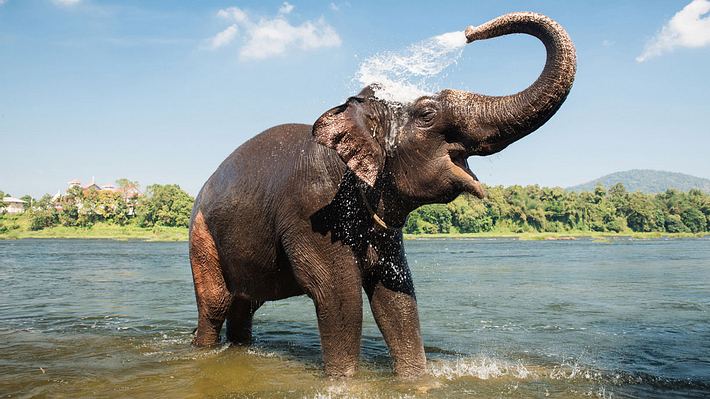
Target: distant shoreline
102,231
177,234
564,236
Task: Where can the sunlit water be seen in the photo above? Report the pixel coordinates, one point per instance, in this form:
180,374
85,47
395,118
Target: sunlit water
500,318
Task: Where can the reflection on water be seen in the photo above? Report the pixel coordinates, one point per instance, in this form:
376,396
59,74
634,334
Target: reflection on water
500,318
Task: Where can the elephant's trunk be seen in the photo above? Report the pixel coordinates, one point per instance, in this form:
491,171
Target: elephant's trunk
491,123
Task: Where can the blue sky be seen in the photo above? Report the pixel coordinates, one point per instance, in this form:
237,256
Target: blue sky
163,91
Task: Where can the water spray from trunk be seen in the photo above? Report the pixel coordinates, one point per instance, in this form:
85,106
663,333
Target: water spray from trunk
408,74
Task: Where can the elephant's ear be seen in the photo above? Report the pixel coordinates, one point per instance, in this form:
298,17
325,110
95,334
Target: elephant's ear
345,129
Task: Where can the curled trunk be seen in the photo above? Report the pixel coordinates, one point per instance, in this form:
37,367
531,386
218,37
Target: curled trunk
491,123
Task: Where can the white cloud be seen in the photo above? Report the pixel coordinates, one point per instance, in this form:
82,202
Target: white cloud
272,37
269,37
66,3
233,14
286,8
689,27
339,6
2,2
224,37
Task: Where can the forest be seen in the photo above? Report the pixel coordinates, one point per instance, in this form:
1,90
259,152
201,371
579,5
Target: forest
512,209
518,209
161,205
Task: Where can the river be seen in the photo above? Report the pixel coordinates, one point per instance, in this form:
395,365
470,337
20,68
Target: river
500,318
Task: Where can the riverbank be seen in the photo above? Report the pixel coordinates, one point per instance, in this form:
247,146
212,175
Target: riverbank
563,236
18,228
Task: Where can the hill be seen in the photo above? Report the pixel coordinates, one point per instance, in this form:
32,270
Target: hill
647,181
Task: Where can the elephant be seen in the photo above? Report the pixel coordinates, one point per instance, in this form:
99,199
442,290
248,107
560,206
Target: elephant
319,210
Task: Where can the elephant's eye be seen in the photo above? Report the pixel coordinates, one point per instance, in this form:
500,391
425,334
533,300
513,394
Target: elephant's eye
426,116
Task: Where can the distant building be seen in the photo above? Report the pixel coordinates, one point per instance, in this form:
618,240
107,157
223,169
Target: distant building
14,205
92,186
129,193
126,192
108,187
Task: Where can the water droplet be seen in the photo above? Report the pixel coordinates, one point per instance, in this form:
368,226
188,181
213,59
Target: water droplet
405,75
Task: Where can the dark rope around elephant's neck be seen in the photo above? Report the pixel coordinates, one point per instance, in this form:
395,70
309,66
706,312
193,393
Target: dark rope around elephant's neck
378,220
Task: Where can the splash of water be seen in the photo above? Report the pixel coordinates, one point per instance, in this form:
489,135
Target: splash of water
407,75
480,367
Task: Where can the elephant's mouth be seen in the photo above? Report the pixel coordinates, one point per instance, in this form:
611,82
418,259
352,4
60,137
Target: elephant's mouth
460,160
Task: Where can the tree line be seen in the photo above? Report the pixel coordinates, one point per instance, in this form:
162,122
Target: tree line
513,209
161,205
518,209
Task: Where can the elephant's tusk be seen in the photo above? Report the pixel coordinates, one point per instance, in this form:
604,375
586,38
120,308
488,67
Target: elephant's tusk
378,220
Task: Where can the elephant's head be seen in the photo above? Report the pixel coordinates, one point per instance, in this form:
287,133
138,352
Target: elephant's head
420,149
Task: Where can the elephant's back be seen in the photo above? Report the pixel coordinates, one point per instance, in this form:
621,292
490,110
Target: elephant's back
259,187
257,161
282,158
244,182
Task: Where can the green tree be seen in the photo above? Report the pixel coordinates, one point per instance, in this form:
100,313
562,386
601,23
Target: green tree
112,207
496,205
469,215
122,212
89,208
44,203
69,205
584,211
643,214
619,198
701,201
417,225
125,184
559,209
43,214
603,212
694,219
42,219
165,205
411,226
674,224
129,190
29,201
437,215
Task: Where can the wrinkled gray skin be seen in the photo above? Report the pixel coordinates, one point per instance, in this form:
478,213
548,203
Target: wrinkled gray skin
290,212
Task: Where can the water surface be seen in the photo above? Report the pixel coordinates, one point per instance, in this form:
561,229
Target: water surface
500,318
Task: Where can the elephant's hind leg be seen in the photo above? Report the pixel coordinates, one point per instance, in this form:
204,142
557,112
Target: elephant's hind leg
239,320
213,298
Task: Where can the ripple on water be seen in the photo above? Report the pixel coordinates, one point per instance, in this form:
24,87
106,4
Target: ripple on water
601,321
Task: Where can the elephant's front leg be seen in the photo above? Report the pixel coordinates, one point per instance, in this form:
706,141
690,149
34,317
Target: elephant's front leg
339,311
389,287
398,319
334,283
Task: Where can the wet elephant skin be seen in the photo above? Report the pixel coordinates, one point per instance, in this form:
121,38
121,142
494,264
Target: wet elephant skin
318,210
